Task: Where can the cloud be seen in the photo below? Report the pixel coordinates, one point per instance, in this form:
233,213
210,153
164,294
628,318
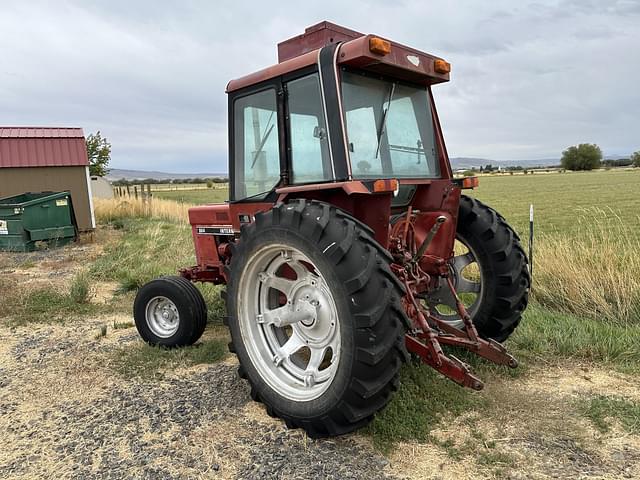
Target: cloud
528,79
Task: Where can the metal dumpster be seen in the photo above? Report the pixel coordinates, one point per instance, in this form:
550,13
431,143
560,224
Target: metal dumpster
36,217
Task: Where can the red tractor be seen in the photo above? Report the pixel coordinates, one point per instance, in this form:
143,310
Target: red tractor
346,242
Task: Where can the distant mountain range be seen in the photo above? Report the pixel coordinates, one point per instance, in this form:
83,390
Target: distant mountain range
119,174
458,163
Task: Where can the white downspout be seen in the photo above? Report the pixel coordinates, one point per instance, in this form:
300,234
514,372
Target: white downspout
90,193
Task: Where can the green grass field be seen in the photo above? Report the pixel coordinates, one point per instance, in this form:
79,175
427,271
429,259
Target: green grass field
561,200
211,195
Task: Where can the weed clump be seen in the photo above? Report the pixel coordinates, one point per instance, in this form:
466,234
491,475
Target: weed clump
47,305
79,291
603,410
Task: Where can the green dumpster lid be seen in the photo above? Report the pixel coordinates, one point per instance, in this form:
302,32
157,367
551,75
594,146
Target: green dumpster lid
29,198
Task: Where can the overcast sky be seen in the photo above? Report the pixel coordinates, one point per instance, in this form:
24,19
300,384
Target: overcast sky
528,79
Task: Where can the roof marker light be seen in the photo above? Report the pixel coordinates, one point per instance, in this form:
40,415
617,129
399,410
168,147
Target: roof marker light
379,46
440,66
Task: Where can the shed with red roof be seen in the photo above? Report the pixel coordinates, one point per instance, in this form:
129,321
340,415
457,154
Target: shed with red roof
39,159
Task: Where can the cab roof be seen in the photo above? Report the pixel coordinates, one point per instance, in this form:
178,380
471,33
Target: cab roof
301,51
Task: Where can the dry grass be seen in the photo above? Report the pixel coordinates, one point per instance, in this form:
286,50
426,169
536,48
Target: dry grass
595,273
110,210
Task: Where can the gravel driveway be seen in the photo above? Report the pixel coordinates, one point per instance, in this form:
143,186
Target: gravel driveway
66,413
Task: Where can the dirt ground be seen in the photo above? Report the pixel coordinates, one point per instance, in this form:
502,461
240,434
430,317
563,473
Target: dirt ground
66,412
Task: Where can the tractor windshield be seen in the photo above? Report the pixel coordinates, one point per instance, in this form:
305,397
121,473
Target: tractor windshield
389,128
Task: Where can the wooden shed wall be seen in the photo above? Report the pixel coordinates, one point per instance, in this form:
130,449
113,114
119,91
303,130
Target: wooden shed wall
14,181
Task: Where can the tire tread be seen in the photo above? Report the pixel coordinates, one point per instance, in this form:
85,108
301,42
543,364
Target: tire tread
363,266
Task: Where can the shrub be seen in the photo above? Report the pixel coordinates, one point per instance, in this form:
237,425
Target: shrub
585,156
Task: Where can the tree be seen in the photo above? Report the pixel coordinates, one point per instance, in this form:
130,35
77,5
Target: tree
635,158
99,153
585,156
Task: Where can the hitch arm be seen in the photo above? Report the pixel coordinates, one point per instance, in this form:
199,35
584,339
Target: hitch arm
450,366
431,332
468,338
431,352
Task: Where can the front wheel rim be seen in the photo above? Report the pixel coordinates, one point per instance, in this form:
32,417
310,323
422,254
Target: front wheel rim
289,322
162,317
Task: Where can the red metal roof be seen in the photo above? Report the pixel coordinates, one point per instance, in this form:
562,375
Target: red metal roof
42,147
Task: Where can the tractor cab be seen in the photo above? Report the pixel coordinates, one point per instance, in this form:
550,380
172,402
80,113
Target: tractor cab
340,106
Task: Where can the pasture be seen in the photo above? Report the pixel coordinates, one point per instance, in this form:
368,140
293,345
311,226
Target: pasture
195,196
563,201
585,223
586,244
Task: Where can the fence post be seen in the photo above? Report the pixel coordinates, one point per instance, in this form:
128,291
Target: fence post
128,191
531,243
135,191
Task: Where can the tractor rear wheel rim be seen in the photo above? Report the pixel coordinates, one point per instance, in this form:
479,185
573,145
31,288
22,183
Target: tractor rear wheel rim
464,287
289,322
162,317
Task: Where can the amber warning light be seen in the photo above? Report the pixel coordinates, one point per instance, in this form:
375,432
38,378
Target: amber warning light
467,182
379,46
470,182
390,185
440,66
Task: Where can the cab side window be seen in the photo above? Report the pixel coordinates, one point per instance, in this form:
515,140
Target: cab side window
309,155
256,149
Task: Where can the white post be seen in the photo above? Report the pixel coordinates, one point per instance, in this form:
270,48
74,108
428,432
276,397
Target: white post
531,241
90,193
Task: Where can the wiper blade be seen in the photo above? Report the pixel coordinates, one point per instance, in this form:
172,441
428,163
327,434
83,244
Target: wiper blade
261,146
265,137
385,114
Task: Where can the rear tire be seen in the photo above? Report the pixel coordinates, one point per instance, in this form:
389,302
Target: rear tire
503,265
364,329
170,312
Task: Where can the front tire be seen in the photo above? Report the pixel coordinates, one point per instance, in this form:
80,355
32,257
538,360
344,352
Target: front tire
170,312
315,317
